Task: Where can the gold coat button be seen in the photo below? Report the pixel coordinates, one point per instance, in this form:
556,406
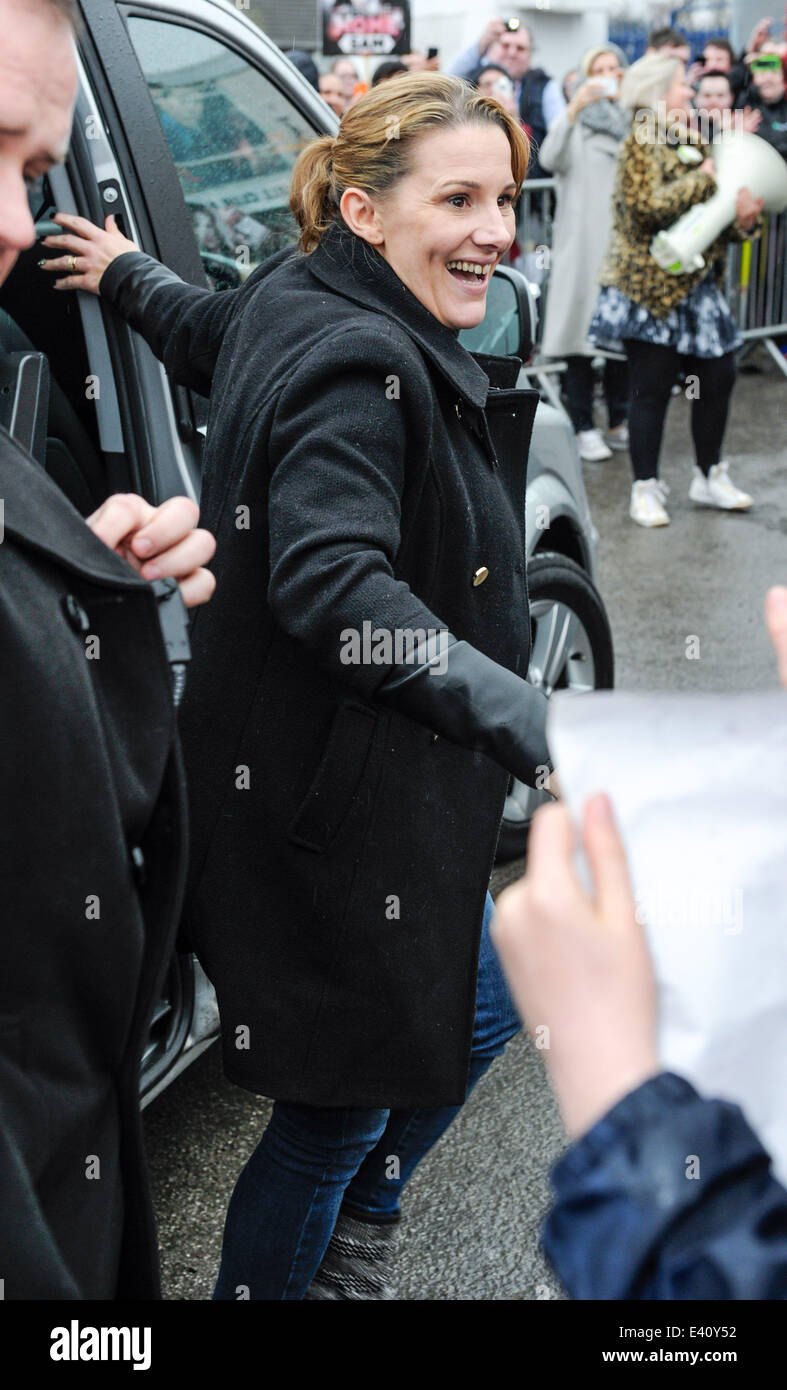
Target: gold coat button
479,576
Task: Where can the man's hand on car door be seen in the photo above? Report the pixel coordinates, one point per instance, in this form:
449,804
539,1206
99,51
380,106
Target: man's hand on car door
160,542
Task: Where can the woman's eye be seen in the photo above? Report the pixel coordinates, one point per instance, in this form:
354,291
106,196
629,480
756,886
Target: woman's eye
458,199
506,199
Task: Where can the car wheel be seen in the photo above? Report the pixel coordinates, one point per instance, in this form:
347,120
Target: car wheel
571,649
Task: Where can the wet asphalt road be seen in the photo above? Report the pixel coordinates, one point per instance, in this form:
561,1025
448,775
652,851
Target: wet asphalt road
473,1207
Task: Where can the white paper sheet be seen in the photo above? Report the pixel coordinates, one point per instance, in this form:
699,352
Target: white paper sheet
699,788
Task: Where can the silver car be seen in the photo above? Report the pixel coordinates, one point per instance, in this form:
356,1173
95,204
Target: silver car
571,637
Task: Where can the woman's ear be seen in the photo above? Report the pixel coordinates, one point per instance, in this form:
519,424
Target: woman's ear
361,216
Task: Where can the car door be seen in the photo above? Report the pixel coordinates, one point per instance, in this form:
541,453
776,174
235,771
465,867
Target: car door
188,127
207,118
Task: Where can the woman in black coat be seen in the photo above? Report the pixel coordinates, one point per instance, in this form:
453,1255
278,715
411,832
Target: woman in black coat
357,699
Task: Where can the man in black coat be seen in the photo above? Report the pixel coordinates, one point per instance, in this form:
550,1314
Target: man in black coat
92,842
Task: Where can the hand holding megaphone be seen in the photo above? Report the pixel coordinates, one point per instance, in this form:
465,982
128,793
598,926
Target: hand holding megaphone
747,208
750,177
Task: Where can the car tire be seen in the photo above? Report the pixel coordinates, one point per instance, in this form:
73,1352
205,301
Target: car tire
571,650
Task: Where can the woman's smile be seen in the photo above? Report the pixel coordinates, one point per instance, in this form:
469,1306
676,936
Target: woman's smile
473,275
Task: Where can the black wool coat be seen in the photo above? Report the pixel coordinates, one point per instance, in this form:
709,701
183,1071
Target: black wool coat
340,851
88,776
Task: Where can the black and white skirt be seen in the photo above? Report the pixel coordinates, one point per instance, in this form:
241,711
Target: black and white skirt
700,326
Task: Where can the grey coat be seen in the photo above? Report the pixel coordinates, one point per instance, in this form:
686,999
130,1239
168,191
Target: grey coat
584,163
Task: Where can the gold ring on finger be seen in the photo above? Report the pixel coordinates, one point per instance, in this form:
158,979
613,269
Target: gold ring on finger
72,264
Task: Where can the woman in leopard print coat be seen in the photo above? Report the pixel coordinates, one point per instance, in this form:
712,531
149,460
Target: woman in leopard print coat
665,322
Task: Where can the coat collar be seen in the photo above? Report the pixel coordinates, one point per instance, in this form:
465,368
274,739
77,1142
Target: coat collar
352,268
39,515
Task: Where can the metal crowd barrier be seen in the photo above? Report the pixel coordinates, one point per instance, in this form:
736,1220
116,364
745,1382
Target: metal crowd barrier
756,287
755,283
534,234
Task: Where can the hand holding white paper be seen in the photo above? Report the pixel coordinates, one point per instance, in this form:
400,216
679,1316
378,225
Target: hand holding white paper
699,788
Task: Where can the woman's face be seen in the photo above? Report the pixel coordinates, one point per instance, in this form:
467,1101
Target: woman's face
332,92
495,83
455,207
679,95
605,66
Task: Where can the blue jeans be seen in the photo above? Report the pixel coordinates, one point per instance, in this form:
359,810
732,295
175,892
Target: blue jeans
311,1162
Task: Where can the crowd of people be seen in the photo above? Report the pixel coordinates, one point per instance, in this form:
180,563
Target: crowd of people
647,326
607,300
338,899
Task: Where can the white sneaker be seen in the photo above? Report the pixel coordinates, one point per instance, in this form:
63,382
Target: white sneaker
718,490
618,438
592,447
647,503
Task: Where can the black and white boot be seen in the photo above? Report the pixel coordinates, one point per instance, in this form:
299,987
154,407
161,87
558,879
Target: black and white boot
356,1264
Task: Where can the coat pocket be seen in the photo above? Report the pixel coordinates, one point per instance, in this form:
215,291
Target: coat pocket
322,812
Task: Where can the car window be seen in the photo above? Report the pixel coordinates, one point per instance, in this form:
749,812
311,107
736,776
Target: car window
234,139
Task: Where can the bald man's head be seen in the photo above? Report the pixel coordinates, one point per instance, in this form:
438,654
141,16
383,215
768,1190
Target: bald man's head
38,79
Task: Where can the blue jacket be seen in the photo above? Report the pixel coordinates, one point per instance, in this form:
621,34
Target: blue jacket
629,1220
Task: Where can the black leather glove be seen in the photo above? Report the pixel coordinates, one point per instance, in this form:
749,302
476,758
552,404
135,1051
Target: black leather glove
474,702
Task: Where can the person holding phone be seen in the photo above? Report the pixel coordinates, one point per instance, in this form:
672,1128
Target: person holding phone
768,96
539,99
581,150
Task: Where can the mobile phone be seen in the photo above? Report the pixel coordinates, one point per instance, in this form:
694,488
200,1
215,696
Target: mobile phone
766,62
432,52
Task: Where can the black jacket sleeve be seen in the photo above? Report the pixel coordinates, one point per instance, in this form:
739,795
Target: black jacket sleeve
336,451
669,1196
475,702
182,324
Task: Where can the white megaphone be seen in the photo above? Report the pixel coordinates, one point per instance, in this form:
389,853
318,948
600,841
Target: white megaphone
741,160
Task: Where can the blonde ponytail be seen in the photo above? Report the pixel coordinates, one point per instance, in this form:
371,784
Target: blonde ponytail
312,192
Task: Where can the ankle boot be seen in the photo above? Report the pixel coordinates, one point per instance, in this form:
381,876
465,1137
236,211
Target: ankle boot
356,1263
